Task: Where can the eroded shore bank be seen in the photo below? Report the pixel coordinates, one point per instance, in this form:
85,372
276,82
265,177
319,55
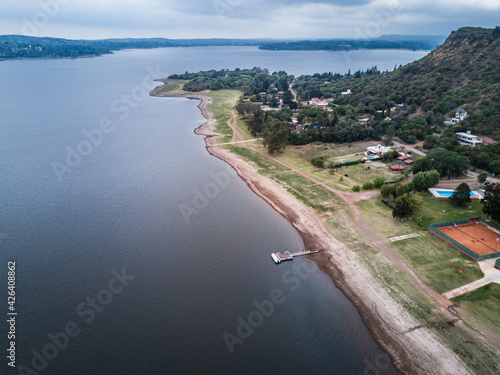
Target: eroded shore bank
413,348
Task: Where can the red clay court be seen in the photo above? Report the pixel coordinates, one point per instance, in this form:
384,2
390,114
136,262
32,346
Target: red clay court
465,233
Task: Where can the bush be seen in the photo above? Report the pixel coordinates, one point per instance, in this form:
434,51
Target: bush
331,171
368,185
356,188
378,182
346,164
318,162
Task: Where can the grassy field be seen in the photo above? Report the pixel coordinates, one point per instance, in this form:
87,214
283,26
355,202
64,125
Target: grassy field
222,103
438,264
432,210
312,195
357,174
483,305
172,85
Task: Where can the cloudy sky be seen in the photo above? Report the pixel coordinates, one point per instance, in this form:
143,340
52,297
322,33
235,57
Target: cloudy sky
98,19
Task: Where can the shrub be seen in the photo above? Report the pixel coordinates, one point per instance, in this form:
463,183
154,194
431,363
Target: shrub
368,185
378,182
356,188
331,171
318,162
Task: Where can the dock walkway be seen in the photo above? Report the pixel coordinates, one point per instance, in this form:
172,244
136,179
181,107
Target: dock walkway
282,257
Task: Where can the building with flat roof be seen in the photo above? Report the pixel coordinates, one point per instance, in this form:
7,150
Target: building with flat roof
378,150
468,139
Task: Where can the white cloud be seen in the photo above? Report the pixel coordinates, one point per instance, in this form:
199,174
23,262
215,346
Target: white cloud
247,18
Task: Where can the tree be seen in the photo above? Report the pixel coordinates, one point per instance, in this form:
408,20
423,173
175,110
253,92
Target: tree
496,32
422,165
402,189
378,182
257,120
406,205
448,162
481,177
425,180
356,188
276,136
491,201
461,194
385,191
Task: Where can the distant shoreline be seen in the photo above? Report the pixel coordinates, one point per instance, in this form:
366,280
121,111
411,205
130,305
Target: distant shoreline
379,312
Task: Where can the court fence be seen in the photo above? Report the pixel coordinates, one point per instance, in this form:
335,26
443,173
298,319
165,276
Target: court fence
434,229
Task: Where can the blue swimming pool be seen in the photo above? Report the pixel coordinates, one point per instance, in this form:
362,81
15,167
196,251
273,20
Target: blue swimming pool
448,193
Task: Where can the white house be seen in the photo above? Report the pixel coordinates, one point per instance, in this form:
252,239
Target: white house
377,150
468,139
460,115
347,92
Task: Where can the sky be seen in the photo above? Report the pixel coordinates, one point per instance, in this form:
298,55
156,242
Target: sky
292,19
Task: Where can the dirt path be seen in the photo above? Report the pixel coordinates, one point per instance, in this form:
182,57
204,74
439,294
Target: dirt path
232,122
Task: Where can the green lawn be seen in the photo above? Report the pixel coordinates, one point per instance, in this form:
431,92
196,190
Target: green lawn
438,264
483,305
172,85
314,196
356,173
222,102
432,210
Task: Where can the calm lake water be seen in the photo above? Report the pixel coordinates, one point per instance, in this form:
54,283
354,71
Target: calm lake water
149,254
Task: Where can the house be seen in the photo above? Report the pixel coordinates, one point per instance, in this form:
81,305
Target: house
377,150
346,92
468,139
316,102
388,119
460,115
363,120
396,168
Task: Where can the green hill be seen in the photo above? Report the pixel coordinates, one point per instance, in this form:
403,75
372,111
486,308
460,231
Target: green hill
463,73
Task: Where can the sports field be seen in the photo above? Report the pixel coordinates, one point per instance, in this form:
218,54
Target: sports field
477,237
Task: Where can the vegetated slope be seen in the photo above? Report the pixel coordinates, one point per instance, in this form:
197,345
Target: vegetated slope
463,73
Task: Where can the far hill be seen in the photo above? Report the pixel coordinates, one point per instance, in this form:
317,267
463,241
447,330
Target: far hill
411,42
21,46
463,73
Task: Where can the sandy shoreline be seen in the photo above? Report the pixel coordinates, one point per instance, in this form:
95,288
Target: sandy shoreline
413,348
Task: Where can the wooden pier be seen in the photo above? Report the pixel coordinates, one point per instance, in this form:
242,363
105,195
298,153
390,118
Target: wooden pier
282,257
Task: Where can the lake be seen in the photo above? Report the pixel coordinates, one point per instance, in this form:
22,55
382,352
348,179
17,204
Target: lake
112,277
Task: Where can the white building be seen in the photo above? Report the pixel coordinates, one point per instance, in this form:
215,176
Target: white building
378,150
347,92
468,139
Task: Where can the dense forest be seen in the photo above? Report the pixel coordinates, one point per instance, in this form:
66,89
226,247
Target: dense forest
412,102
421,43
21,46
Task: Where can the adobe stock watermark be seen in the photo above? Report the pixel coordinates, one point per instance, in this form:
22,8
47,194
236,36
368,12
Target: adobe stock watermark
40,19
93,138
246,326
86,311
202,197
223,7
380,20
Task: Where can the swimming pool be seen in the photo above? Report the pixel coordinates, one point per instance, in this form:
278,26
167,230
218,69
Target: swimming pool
449,193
